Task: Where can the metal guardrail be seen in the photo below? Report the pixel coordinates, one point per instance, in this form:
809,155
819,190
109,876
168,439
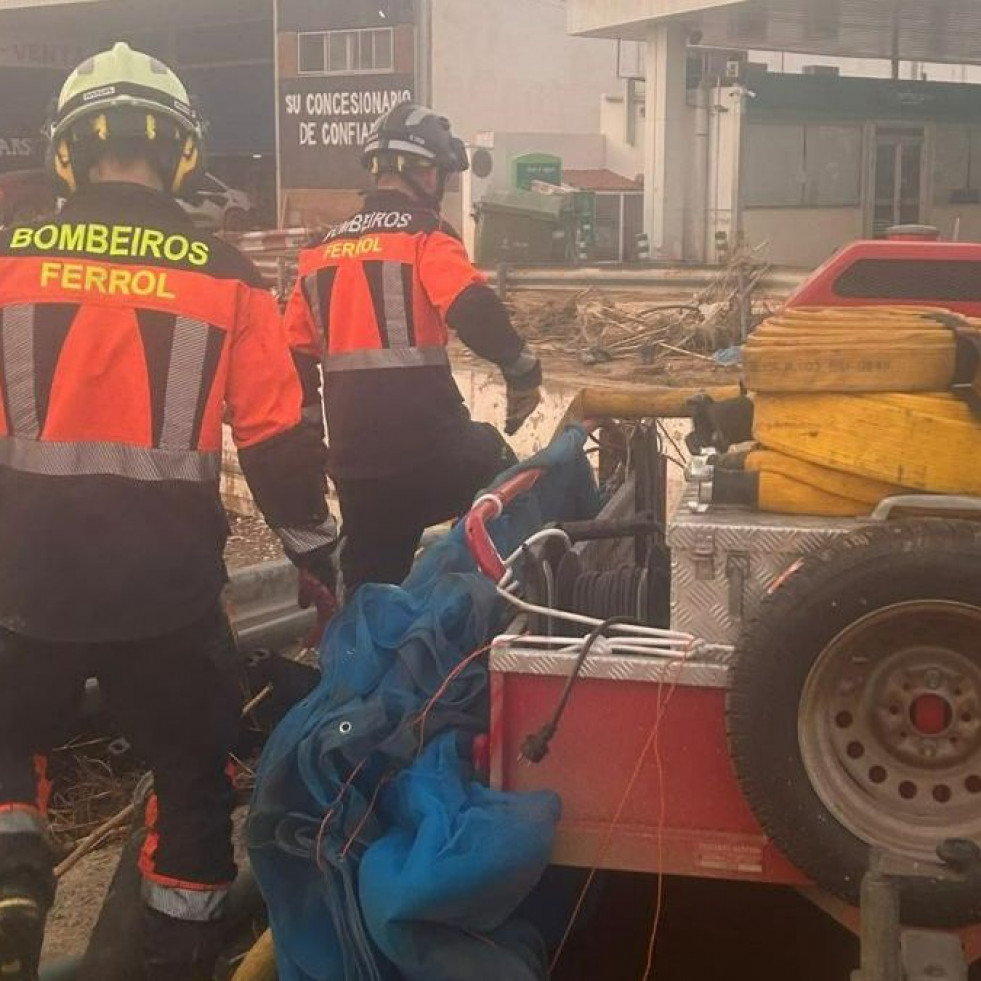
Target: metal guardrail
262,606
663,280
275,254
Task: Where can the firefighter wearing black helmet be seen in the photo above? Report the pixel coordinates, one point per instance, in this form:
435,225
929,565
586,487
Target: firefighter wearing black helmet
126,336
372,311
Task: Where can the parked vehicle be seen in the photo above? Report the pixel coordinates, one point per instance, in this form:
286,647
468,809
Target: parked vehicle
27,194
219,207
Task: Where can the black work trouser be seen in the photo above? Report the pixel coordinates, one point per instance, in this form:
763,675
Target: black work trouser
176,698
384,518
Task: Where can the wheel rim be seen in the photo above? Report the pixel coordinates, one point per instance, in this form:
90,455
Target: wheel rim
890,726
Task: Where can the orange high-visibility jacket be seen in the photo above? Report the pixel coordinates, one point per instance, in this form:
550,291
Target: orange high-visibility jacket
125,334
373,307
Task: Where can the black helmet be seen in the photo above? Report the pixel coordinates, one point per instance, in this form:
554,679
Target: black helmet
410,136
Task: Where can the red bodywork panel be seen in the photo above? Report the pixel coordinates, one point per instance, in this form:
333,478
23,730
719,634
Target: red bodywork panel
706,828
948,275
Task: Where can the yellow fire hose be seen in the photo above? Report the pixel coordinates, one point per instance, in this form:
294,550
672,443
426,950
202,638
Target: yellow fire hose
260,962
863,349
777,483
929,443
656,402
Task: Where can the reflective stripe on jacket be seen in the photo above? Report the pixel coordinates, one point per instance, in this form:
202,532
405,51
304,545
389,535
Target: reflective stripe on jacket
125,335
370,309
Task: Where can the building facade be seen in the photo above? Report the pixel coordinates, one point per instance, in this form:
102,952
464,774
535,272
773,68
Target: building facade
510,66
752,131
223,49
290,86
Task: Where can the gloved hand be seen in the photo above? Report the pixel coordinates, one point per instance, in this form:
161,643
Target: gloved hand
524,390
522,402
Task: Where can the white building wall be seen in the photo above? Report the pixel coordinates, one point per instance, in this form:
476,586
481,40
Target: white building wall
510,66
622,157
725,132
803,237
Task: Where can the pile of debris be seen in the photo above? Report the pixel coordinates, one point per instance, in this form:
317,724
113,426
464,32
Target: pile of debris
598,327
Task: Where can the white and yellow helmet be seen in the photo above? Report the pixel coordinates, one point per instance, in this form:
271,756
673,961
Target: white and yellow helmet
125,95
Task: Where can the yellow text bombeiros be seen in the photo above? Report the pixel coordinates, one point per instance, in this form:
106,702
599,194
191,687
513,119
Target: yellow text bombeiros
112,241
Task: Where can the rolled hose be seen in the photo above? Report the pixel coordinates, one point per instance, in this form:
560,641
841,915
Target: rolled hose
862,349
929,443
778,484
260,962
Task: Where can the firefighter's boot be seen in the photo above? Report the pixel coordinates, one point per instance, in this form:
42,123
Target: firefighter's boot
27,888
22,917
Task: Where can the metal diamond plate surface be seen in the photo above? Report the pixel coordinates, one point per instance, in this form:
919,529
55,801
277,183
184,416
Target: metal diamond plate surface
723,563
515,659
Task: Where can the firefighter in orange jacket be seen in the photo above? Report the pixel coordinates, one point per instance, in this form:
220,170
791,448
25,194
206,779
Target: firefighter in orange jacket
372,309
125,335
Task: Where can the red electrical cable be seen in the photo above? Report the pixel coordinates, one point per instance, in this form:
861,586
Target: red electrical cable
662,821
651,743
420,720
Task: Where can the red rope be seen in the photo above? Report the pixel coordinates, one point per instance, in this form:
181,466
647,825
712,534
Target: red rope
420,720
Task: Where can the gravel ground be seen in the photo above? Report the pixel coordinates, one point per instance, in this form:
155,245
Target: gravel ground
76,908
250,542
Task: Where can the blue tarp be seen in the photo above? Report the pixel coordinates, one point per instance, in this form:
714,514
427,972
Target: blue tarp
378,854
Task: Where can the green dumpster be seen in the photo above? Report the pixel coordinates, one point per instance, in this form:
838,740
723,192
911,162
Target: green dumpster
522,227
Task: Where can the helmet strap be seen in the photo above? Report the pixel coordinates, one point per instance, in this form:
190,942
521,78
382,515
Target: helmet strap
431,199
188,164
176,157
63,166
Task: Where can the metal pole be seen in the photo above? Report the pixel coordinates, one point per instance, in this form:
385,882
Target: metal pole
276,91
623,229
896,38
424,53
880,926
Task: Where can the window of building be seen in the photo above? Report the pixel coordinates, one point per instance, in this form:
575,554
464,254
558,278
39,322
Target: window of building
793,165
367,51
312,54
957,165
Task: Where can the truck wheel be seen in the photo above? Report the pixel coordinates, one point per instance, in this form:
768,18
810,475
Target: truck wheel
854,715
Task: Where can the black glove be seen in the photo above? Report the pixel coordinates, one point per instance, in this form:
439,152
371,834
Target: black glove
524,390
719,425
522,402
